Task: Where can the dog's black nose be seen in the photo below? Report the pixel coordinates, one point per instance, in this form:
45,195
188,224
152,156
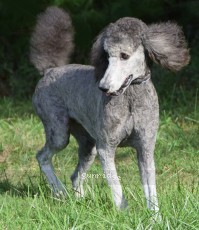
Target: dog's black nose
103,89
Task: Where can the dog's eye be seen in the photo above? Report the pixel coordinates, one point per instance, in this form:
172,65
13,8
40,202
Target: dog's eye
124,56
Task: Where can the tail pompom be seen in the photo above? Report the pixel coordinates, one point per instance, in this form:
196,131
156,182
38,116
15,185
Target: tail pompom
52,39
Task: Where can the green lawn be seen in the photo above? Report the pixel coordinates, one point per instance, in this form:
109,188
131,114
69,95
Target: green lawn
26,201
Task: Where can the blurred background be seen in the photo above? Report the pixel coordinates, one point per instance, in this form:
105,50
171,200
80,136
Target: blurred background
18,77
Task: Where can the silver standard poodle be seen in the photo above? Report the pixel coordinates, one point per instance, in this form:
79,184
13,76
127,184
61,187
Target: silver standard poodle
111,103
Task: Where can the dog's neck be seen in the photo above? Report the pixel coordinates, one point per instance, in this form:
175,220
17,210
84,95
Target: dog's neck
142,79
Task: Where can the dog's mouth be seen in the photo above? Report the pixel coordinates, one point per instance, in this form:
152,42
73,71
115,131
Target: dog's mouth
124,86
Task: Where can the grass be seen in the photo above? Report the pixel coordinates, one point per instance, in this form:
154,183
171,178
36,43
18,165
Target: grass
26,201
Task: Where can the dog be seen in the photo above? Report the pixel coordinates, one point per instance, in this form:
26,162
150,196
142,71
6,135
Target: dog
107,104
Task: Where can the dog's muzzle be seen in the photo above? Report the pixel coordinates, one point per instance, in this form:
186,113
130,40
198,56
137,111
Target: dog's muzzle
124,86
128,81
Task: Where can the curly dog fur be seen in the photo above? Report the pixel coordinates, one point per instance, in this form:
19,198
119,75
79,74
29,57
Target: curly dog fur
108,104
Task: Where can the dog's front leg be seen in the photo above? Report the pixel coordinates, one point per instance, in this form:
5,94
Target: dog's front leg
145,152
107,157
147,172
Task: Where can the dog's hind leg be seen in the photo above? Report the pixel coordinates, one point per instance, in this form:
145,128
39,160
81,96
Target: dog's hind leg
55,121
86,157
44,158
87,153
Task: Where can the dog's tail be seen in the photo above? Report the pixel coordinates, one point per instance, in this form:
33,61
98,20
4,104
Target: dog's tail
52,39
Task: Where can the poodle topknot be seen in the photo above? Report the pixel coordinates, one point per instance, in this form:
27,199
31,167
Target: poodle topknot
164,42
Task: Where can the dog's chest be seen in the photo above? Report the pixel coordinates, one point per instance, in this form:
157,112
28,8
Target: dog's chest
129,112
117,119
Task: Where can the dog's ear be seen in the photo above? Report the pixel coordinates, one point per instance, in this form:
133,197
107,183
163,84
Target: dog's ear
99,57
166,45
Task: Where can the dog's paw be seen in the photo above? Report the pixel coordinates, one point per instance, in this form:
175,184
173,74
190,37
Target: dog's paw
60,194
122,204
156,217
79,192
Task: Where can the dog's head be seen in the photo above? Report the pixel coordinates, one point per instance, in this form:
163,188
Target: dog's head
118,53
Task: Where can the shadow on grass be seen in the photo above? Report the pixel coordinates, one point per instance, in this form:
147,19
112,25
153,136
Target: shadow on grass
24,189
